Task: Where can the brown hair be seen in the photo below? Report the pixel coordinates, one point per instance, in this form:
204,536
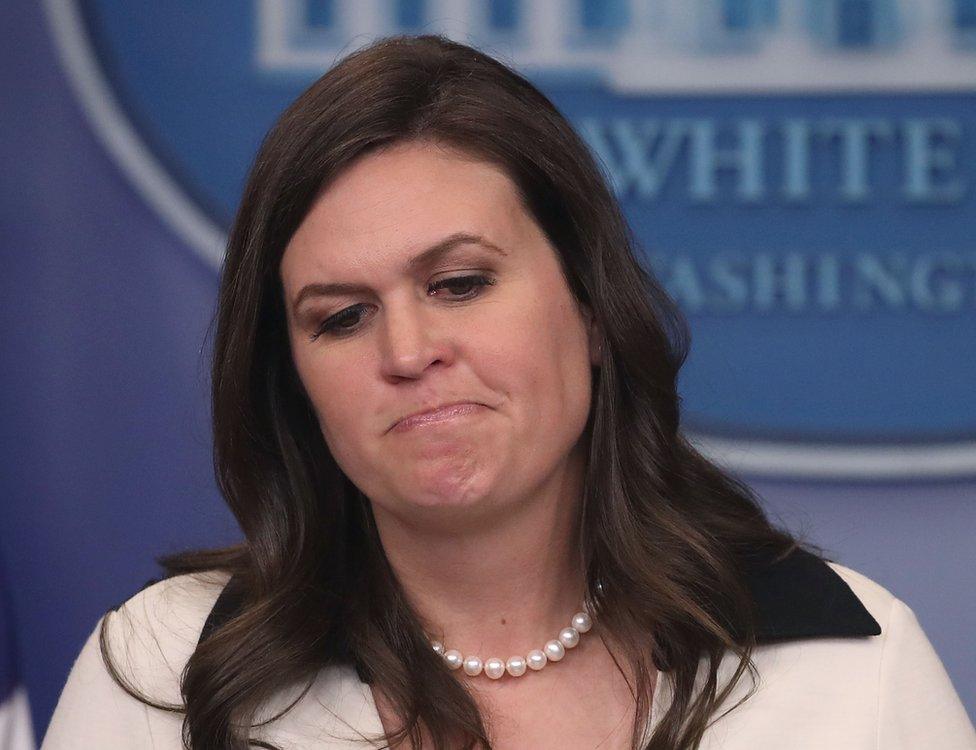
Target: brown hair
665,530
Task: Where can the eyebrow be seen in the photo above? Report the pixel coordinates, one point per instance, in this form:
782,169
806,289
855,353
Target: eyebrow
427,258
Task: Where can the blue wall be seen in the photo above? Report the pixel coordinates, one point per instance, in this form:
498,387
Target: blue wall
105,314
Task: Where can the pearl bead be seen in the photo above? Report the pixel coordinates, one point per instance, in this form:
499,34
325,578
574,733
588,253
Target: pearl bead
472,666
554,651
453,658
582,622
494,668
536,660
568,637
516,666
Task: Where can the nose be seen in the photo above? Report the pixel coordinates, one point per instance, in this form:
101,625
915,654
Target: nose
411,342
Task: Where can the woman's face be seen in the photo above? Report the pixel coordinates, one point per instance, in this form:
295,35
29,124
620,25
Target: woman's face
416,281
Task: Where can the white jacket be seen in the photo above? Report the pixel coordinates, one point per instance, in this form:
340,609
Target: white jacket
850,692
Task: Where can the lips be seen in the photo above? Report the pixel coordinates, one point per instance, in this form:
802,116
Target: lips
436,414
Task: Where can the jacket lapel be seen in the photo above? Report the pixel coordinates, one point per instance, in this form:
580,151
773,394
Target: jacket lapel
801,596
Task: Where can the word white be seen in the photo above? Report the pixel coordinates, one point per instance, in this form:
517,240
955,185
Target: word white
642,155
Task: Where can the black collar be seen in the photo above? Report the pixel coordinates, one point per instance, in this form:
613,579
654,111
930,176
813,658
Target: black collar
801,596
798,597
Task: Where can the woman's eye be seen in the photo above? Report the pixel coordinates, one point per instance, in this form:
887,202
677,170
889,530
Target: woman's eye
463,287
341,323
347,321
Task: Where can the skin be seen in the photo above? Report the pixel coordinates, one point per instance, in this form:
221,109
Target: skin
477,512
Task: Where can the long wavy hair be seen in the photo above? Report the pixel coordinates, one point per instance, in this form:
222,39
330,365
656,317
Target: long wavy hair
667,532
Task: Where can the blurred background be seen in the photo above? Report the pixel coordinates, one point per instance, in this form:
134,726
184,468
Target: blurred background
799,175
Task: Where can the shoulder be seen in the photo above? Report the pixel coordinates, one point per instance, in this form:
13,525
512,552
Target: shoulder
842,662
914,701
899,625
908,655
148,640
151,636
190,595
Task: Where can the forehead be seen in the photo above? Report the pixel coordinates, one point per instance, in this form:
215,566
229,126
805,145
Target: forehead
391,203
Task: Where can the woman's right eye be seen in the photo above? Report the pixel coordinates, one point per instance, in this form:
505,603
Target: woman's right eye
340,324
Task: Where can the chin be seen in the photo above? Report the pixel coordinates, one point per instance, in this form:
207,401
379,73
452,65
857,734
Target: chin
450,473
446,490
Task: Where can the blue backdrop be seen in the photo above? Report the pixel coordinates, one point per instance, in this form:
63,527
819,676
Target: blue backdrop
106,304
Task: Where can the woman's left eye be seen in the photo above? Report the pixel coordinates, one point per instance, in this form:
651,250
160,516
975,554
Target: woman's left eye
463,287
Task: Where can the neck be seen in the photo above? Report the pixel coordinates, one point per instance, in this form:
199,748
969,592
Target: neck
500,587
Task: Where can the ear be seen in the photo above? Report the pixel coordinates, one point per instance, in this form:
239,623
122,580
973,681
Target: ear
595,338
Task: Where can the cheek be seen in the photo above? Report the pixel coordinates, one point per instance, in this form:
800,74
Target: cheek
337,396
569,366
543,361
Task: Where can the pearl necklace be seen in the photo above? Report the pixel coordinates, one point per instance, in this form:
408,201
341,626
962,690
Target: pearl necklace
516,666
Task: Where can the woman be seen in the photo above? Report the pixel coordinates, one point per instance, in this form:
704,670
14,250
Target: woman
446,418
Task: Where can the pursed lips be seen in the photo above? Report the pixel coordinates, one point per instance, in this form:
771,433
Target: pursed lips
436,414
